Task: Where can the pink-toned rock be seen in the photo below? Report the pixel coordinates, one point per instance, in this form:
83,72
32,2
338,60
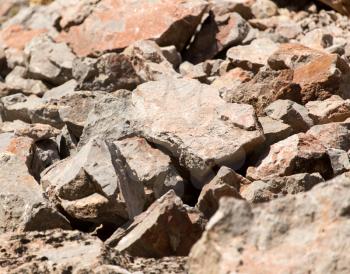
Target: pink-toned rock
115,24
300,153
17,36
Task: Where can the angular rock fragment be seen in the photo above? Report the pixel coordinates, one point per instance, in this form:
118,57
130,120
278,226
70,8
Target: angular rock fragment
17,79
91,186
58,251
274,130
195,125
291,114
109,72
165,229
293,234
176,23
62,90
299,153
49,61
333,109
253,56
267,190
150,167
225,184
265,88
317,39
339,160
23,207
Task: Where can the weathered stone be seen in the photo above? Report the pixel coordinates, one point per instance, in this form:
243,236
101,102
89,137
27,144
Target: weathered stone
264,9
58,251
67,143
150,167
23,206
164,229
274,130
37,132
333,135
295,234
341,6
264,191
92,185
109,72
292,56
172,55
317,39
17,79
300,153
333,109
265,88
339,160
225,184
49,61
74,109
253,56
62,90
176,23
195,125
291,114
217,33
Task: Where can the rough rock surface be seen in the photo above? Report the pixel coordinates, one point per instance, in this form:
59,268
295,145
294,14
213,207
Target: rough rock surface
130,121
287,235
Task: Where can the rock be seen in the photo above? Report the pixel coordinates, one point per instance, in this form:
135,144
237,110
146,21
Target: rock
323,77
292,56
49,61
265,88
253,56
333,109
332,135
282,236
109,72
341,6
265,191
339,160
110,119
264,9
17,80
23,205
95,188
58,251
176,23
217,33
172,55
62,90
67,143
299,153
274,130
317,39
150,167
225,184
165,229
291,114
37,132
74,109
208,138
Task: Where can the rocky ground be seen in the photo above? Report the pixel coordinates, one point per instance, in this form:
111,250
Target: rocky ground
174,136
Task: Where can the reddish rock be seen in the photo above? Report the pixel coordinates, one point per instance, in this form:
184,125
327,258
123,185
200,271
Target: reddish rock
115,24
16,36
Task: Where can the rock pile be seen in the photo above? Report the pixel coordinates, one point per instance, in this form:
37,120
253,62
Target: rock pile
174,136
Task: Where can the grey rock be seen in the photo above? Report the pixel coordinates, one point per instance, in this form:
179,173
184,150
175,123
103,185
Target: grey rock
23,206
275,130
62,90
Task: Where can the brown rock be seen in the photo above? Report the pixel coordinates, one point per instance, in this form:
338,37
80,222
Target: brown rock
164,229
175,24
300,153
341,6
294,234
225,184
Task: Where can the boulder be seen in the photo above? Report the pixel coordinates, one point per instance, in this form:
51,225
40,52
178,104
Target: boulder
176,23
274,130
192,123
294,234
